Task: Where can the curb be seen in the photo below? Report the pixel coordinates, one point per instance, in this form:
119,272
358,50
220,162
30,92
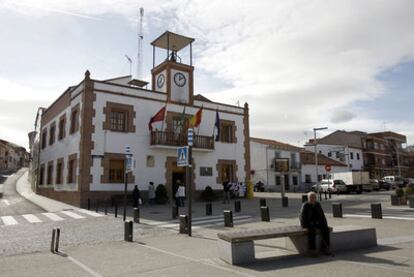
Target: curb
23,187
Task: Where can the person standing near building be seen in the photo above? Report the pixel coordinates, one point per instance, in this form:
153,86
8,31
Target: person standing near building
180,195
136,196
151,193
312,218
226,190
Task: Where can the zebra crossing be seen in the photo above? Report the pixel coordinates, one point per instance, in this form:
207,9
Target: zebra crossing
386,214
199,222
10,220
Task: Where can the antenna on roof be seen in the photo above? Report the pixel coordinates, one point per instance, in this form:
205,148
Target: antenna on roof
130,64
140,41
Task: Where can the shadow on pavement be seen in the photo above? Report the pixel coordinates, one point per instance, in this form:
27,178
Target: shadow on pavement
295,260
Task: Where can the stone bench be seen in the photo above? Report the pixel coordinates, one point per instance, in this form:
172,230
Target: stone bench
237,247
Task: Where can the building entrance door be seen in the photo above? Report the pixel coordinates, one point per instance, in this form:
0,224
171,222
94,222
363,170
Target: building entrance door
287,184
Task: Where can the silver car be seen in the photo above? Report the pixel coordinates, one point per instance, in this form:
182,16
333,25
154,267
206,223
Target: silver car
334,186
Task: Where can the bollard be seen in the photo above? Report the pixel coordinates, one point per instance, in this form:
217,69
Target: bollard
264,211
285,201
209,209
52,244
136,215
116,210
128,230
304,198
330,194
376,211
183,224
326,195
57,240
337,210
262,202
320,195
106,207
228,218
237,206
89,204
174,212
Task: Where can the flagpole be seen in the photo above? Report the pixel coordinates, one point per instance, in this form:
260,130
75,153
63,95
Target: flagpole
165,113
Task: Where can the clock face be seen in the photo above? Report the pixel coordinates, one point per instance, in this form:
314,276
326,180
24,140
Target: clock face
160,81
179,79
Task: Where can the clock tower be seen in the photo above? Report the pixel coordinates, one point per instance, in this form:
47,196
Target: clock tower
172,75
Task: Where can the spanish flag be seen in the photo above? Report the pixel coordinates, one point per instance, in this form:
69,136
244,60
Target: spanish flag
196,119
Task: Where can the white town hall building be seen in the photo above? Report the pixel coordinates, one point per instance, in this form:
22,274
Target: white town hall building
85,131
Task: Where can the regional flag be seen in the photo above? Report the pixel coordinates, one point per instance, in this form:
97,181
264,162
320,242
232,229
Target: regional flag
196,119
159,116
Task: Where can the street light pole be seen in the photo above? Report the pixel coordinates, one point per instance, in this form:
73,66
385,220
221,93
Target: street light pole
315,143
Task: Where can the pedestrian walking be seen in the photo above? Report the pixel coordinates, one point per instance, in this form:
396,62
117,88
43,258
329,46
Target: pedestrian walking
180,195
226,191
136,196
151,193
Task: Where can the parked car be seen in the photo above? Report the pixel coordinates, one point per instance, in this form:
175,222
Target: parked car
334,186
384,185
375,184
394,181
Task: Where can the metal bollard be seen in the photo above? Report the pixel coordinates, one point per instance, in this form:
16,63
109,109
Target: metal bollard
183,224
116,210
136,215
237,206
262,202
304,198
330,194
228,218
285,201
52,244
174,212
326,195
89,204
209,209
264,211
128,230
337,210
376,210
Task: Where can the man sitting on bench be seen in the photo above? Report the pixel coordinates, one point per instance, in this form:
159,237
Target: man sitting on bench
312,218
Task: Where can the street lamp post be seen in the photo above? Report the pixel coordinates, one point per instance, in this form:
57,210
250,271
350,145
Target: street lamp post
315,143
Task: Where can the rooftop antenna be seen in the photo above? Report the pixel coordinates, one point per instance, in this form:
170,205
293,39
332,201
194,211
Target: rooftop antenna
130,64
140,40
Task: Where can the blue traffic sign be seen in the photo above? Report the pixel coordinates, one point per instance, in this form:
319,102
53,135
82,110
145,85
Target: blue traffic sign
182,156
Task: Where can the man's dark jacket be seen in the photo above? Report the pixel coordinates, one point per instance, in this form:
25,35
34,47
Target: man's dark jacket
311,215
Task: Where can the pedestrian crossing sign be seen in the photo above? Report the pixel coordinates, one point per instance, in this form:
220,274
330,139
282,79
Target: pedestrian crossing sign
182,156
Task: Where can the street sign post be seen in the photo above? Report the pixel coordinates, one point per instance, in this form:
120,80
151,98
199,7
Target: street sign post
189,171
128,168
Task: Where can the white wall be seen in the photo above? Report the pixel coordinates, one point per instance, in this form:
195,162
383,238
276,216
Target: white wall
62,148
115,142
351,154
262,156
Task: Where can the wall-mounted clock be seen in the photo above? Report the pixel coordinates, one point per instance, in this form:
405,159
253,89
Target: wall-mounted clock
179,79
160,80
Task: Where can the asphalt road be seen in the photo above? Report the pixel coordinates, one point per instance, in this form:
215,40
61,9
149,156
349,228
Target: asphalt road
12,203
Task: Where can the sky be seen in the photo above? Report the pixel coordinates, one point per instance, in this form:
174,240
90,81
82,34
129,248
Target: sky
300,64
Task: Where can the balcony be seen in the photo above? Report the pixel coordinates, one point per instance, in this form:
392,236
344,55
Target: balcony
171,139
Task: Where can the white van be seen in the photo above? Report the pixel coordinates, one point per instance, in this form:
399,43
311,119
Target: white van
394,181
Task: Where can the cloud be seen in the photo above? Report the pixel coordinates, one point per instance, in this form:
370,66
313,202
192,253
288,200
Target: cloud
341,116
300,64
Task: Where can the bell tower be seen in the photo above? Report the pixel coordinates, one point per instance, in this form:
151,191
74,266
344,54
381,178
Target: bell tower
172,75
